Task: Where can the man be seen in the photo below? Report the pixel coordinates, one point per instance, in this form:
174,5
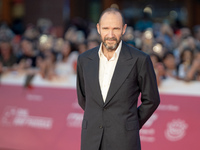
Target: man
109,81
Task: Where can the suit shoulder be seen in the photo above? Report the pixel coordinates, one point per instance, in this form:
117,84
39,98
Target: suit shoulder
88,54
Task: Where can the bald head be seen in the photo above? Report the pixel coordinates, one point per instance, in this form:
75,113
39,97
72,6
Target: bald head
114,11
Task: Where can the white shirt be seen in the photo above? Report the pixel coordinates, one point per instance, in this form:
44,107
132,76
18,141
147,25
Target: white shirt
106,69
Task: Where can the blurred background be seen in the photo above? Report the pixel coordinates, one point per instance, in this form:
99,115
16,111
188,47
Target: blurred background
42,36
40,41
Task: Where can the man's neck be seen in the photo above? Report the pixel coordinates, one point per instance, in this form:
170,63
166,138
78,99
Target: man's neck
108,54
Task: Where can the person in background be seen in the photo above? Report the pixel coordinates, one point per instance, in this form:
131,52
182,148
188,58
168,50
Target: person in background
170,65
46,65
167,35
187,42
196,31
82,47
64,65
158,67
92,43
144,23
27,59
186,59
8,60
194,72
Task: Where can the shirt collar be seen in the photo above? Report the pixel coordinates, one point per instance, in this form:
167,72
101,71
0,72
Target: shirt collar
116,54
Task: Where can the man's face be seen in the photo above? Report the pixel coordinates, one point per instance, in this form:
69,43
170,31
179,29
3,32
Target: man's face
111,30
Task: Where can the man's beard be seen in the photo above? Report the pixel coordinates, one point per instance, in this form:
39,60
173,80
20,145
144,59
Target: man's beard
111,47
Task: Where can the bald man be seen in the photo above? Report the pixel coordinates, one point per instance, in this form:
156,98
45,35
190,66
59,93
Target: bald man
110,78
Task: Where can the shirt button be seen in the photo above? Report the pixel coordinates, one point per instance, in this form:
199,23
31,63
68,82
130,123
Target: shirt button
101,127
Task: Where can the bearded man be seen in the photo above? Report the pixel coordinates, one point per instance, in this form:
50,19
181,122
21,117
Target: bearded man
110,79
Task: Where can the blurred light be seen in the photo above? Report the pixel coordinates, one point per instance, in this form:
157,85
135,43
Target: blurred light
129,35
157,48
60,41
148,34
46,42
59,44
43,39
173,14
148,10
114,6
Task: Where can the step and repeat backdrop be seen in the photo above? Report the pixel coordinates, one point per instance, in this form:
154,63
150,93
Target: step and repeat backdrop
46,116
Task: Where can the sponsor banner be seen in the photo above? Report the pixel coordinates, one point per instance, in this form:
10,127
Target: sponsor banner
50,118
18,117
39,118
174,125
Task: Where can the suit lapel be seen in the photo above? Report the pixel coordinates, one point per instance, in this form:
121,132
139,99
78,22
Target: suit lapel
123,67
93,76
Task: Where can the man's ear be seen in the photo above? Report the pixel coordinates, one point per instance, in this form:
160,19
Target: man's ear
124,29
98,27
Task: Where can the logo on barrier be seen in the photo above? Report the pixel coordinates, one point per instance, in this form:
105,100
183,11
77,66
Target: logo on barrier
176,130
147,133
74,119
13,116
151,120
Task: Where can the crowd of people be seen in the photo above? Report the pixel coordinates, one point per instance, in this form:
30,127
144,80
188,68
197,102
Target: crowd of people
52,52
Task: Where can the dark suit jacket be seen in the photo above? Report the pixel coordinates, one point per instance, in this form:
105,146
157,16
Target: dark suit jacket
115,124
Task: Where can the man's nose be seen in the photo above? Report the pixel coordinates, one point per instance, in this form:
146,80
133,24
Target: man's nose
110,33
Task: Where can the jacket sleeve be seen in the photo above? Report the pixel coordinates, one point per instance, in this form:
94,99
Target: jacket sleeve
149,91
80,85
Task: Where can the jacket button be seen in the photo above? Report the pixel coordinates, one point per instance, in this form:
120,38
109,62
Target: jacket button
101,127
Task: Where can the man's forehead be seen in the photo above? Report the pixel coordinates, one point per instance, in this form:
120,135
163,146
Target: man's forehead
112,14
